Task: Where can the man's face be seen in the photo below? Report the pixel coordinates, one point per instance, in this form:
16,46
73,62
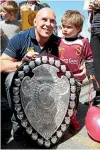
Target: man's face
69,30
44,23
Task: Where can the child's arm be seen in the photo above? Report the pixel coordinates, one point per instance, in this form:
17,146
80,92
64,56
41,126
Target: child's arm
82,73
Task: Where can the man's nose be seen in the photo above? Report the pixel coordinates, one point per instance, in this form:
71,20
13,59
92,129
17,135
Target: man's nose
48,22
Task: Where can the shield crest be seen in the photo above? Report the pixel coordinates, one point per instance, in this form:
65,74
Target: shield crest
43,93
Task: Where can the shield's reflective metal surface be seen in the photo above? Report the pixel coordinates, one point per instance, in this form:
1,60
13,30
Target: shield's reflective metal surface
43,96
45,99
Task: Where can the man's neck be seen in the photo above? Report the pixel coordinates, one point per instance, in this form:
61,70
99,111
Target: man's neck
41,40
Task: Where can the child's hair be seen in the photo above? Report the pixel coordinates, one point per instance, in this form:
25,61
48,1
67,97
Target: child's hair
25,7
75,17
11,7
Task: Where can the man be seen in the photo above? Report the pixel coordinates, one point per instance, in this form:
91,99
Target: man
40,39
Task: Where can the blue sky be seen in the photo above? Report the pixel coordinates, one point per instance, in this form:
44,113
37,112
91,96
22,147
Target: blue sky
60,6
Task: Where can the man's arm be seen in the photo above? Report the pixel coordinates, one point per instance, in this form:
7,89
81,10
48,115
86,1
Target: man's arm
8,64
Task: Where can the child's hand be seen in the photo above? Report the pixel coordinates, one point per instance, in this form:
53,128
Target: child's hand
82,75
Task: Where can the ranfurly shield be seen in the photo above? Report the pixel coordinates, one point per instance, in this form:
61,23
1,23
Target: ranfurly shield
43,94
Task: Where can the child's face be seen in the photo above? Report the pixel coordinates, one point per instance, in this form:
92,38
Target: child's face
69,30
6,16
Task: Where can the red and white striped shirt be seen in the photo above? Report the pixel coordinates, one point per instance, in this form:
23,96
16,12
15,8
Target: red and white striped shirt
74,53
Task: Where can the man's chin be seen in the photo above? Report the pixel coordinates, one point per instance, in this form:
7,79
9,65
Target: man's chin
46,35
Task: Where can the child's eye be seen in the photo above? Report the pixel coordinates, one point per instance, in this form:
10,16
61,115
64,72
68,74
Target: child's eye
69,27
63,26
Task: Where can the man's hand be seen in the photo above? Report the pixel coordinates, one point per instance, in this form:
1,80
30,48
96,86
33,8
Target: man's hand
82,75
29,55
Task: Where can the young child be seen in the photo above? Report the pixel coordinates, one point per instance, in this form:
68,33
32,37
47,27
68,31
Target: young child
9,25
74,50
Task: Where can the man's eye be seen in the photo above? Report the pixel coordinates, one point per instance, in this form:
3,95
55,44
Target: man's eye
52,21
44,19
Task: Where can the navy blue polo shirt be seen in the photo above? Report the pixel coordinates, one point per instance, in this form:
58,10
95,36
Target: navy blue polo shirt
20,43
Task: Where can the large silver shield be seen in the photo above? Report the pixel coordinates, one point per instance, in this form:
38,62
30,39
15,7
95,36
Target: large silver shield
43,93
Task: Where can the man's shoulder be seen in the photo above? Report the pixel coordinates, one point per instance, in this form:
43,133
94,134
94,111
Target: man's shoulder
21,37
24,33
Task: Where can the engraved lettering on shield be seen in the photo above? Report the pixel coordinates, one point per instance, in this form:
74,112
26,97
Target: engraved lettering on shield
45,99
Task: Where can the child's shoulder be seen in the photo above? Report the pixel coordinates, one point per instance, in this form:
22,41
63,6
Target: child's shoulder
84,40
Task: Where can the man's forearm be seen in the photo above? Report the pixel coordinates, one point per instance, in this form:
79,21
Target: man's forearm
9,66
